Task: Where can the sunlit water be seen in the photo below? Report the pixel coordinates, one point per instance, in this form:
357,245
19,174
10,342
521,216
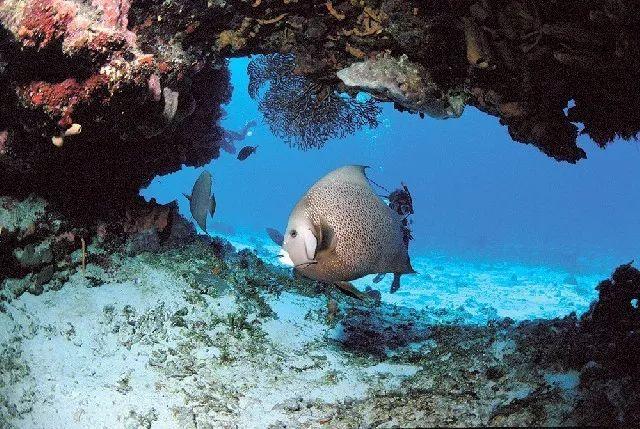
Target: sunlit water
500,229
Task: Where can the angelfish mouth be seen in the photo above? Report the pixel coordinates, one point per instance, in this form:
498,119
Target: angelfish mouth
285,259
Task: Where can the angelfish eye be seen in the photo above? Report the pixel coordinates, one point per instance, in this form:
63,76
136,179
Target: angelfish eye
294,233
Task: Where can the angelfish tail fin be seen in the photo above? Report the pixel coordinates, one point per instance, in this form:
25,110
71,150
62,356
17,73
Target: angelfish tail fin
405,267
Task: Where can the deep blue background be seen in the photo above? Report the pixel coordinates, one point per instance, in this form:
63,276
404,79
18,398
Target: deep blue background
476,193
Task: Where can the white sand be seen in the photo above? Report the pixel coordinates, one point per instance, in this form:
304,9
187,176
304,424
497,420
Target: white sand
91,366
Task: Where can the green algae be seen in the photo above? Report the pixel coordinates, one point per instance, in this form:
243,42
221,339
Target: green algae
20,216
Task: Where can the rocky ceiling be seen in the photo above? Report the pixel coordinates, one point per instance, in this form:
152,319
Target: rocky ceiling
97,95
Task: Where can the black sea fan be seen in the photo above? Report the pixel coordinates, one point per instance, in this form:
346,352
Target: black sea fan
301,111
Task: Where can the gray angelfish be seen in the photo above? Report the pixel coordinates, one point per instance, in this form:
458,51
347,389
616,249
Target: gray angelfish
340,230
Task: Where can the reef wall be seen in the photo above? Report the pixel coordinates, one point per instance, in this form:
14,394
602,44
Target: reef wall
88,115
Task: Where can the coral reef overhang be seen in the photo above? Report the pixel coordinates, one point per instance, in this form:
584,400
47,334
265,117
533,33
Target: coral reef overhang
97,97
125,69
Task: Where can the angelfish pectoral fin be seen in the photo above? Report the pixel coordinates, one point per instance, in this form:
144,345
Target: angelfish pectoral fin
310,243
395,285
326,237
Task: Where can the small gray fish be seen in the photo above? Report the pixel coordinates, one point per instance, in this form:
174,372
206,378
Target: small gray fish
276,236
201,200
246,151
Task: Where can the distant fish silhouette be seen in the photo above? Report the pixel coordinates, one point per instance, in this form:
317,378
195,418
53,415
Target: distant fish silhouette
246,151
229,138
276,236
227,146
201,200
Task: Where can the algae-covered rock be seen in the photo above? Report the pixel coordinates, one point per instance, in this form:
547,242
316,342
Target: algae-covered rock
19,217
404,82
34,255
12,288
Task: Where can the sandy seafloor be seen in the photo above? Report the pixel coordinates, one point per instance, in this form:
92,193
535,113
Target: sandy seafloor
484,290
136,347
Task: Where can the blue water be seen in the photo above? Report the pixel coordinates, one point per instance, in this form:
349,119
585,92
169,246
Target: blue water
478,196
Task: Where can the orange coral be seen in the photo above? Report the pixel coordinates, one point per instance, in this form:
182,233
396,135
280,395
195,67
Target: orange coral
60,98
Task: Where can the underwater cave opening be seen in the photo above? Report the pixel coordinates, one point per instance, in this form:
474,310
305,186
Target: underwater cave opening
113,311
493,218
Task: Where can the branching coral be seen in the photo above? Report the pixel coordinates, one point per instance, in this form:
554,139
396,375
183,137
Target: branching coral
305,113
